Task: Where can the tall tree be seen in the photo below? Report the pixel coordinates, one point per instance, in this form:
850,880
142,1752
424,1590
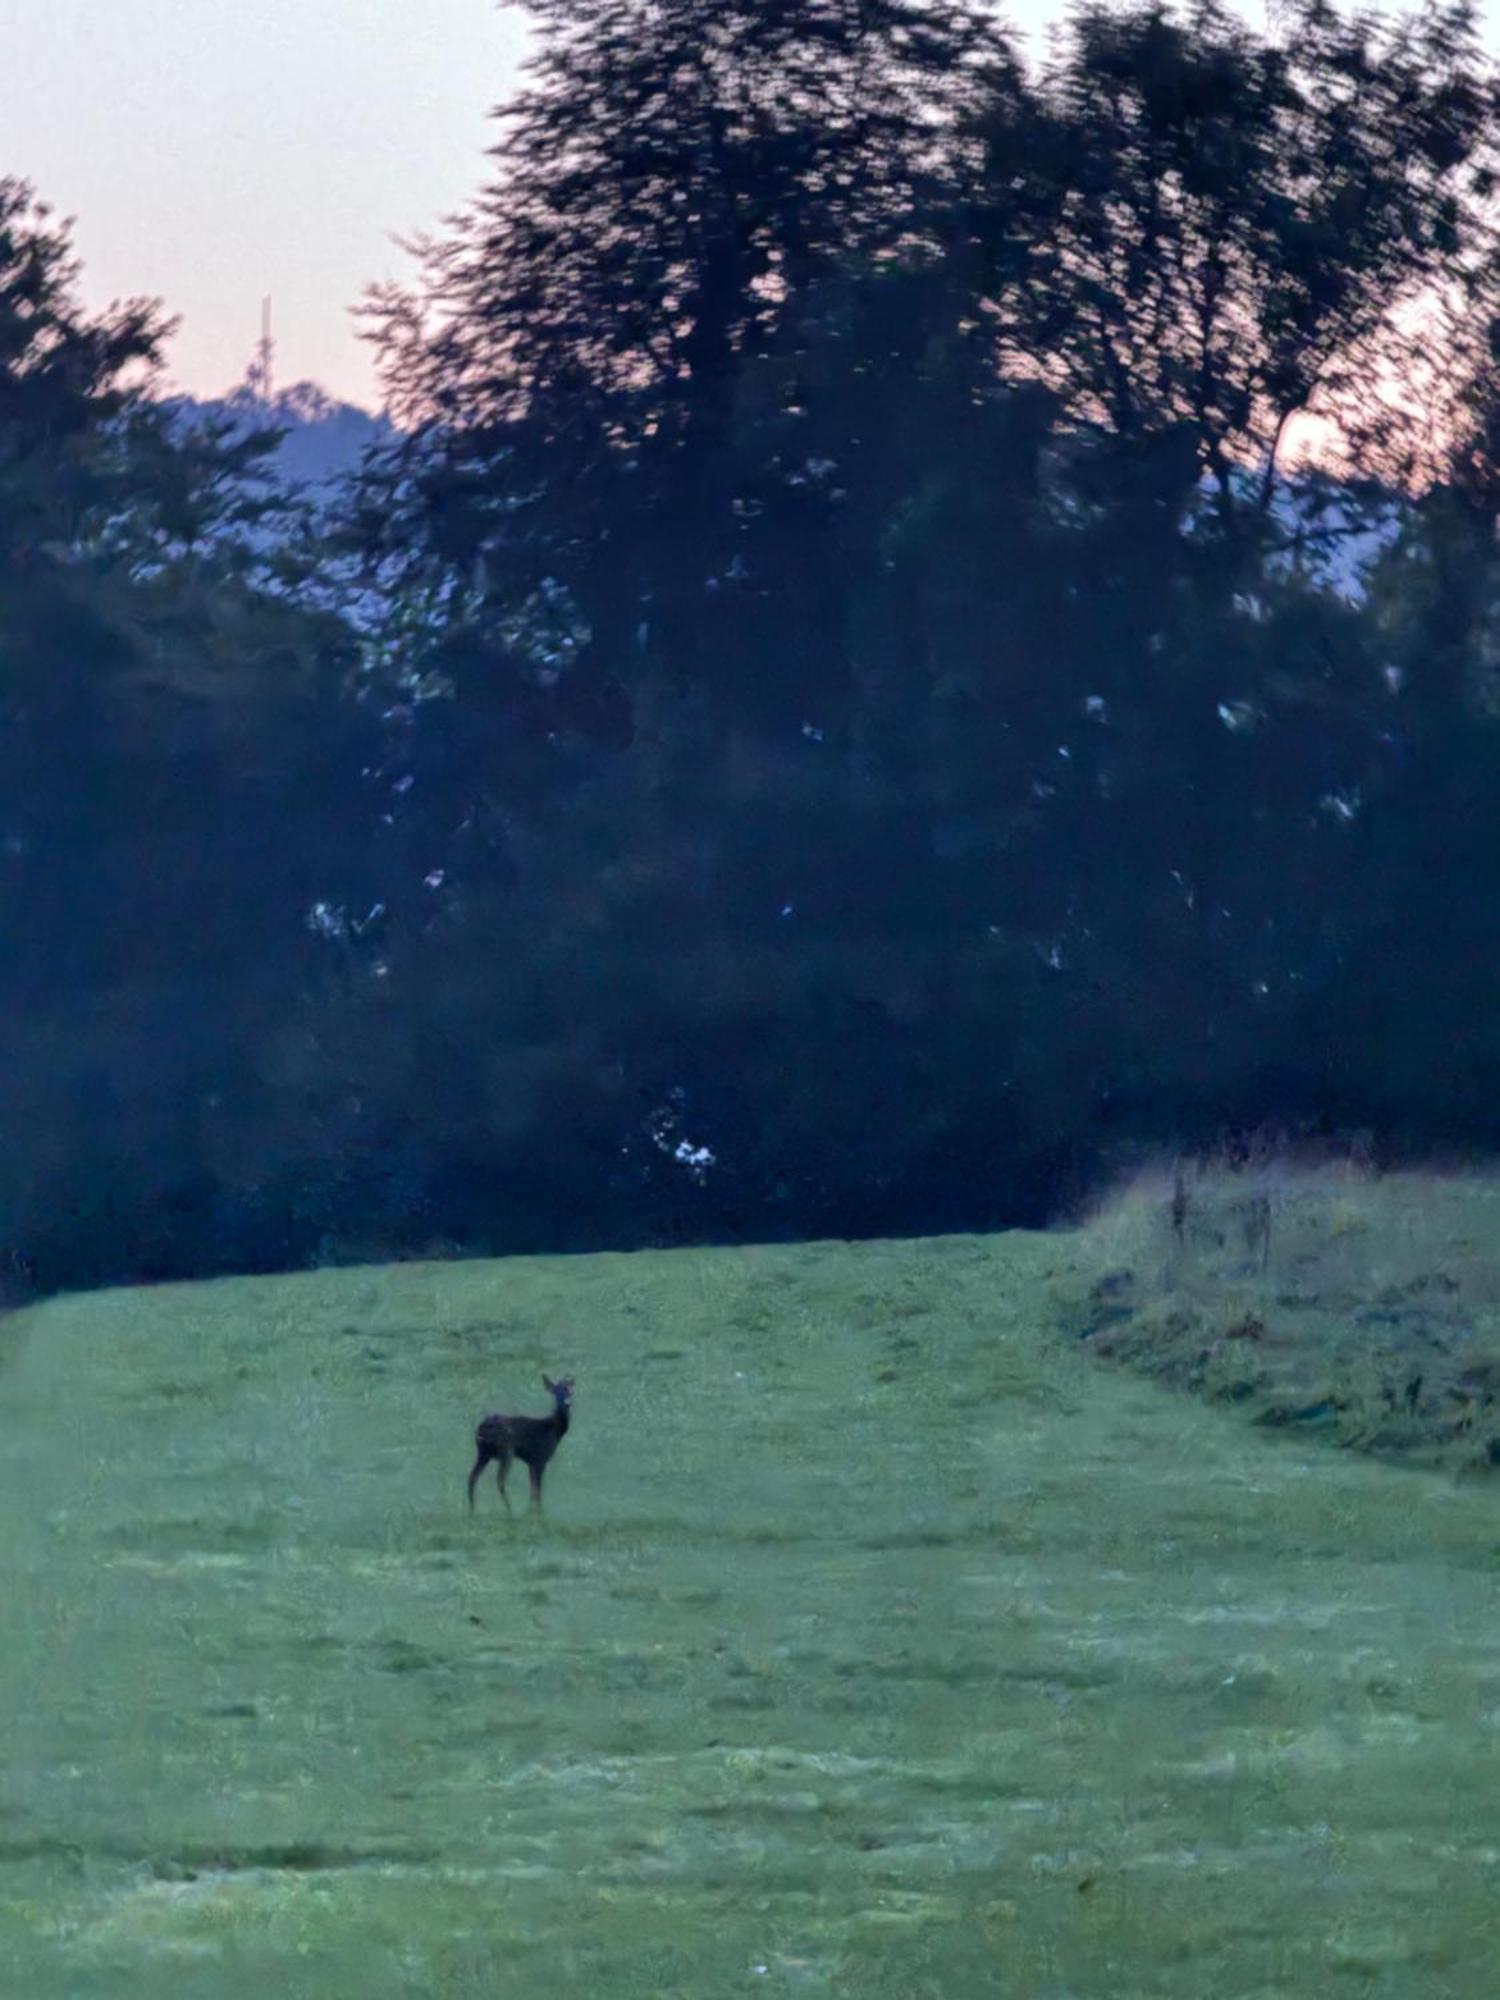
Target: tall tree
1246,232
169,723
668,189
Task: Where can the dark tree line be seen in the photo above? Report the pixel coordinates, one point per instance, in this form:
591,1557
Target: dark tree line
832,715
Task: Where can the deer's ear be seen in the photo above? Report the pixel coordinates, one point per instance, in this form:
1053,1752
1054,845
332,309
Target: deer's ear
548,1383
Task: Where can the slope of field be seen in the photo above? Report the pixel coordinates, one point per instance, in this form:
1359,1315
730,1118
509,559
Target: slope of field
1363,1308
876,1642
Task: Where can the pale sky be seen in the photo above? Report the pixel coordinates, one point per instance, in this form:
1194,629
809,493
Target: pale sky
216,151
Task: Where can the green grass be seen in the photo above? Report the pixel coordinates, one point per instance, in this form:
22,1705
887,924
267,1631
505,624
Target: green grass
877,1642
1366,1308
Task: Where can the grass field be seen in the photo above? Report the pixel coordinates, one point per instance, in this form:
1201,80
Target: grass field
876,1642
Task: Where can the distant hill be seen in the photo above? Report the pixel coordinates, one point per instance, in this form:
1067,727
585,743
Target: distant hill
324,438
1337,535
1336,538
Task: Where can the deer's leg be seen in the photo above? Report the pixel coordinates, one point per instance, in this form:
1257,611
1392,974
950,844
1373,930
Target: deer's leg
502,1473
536,1484
479,1464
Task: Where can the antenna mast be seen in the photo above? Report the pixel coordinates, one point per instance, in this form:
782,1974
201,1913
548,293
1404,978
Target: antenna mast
262,369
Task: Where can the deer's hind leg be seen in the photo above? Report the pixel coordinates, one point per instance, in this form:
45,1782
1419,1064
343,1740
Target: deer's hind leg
479,1464
502,1473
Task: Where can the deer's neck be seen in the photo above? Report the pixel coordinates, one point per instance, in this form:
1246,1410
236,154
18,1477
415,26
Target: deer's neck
560,1420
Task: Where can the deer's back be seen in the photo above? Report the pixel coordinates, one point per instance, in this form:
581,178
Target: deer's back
525,1437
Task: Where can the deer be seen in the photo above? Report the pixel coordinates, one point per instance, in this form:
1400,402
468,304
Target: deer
530,1439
